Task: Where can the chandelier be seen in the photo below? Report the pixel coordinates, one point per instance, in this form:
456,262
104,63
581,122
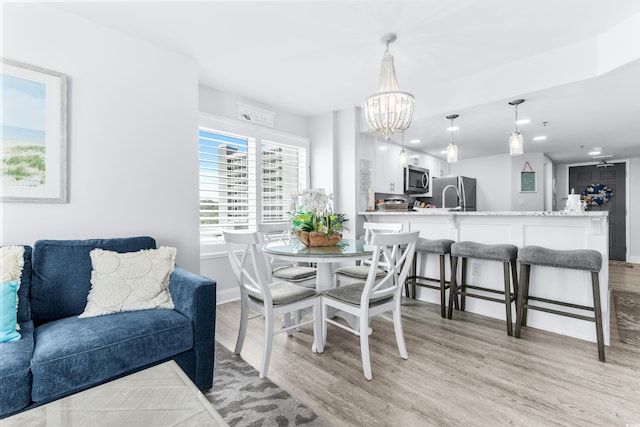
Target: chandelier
388,111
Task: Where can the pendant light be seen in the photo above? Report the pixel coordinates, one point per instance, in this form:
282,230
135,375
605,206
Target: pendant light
452,148
516,142
403,154
388,111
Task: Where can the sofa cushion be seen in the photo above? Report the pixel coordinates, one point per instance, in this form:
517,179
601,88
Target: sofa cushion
15,375
131,281
62,273
24,293
73,353
8,309
15,264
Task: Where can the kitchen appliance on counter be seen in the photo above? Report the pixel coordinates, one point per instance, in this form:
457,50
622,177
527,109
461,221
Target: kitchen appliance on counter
458,191
417,181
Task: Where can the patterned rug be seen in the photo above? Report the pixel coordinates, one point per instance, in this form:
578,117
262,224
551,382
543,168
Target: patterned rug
628,316
244,399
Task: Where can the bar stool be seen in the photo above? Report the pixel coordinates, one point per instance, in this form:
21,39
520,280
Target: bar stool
441,247
506,254
580,259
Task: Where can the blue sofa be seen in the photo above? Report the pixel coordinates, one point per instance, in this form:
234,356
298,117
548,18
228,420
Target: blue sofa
60,354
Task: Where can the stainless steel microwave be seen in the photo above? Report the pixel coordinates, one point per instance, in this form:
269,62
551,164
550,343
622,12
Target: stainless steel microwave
417,181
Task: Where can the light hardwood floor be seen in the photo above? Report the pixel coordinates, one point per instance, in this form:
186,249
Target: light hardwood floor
460,372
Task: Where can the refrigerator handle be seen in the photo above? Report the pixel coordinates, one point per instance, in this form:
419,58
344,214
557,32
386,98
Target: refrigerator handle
463,196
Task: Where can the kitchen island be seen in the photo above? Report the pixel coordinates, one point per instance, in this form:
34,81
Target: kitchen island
555,230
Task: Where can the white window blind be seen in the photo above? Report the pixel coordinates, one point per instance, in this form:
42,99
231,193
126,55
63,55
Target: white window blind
283,174
231,184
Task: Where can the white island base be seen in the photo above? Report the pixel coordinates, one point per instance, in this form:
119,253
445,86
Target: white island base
554,230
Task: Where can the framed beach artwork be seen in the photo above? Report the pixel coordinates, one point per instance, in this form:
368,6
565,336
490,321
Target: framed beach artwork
33,134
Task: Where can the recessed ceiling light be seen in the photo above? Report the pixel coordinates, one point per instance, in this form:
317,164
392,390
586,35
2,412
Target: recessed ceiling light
414,141
454,128
595,152
539,138
443,152
383,147
523,121
604,156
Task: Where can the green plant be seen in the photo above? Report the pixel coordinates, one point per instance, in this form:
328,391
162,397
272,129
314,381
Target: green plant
327,223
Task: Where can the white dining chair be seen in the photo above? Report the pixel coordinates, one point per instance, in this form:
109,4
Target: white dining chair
268,299
285,270
360,272
374,296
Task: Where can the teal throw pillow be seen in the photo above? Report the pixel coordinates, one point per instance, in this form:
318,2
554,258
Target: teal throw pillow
8,304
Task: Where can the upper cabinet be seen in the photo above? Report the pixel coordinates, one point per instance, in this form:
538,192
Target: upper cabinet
388,172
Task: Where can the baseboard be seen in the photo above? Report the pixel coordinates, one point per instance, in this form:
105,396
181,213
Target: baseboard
634,259
227,295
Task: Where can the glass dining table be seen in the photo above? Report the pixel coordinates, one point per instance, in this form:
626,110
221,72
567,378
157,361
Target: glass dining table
325,257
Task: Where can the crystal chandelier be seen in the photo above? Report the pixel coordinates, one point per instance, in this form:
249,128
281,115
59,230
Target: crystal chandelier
388,111
452,148
516,142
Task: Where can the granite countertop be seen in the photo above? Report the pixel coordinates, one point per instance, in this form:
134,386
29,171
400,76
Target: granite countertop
431,212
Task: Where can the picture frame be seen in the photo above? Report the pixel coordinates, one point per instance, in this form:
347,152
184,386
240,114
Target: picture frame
528,182
33,134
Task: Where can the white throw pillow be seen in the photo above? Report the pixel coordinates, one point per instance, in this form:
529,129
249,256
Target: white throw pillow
129,281
11,264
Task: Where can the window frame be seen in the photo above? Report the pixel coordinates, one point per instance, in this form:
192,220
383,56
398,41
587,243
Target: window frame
215,124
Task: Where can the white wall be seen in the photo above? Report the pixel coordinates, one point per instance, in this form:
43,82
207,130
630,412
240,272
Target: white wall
493,180
132,134
322,151
225,105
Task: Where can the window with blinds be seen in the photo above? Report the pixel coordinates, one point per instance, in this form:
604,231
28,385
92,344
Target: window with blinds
231,183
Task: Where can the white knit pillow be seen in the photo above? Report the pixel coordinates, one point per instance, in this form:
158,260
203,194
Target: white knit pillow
129,281
11,264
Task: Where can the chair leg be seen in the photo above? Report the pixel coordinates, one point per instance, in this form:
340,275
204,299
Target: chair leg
507,297
364,346
318,320
268,341
514,279
397,327
520,310
452,270
595,284
453,287
526,295
463,284
442,288
287,321
244,319
323,314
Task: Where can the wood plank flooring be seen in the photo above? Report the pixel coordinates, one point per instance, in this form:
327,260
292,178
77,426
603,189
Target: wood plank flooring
460,372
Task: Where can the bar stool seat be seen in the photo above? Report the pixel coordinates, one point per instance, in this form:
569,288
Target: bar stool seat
440,247
577,259
504,253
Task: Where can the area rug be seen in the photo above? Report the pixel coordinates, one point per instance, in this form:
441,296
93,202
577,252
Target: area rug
628,316
244,399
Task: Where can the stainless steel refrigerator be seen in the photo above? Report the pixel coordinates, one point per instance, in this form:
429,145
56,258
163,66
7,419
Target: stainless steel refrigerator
460,191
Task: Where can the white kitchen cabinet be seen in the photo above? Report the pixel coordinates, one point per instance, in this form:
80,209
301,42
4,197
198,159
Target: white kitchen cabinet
388,172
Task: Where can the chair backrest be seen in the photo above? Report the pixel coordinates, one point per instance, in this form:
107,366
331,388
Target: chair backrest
370,228
275,231
249,266
396,250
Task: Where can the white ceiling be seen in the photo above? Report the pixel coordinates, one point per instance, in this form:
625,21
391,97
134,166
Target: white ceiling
313,57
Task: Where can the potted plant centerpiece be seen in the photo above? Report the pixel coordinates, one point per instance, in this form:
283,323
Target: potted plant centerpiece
313,219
